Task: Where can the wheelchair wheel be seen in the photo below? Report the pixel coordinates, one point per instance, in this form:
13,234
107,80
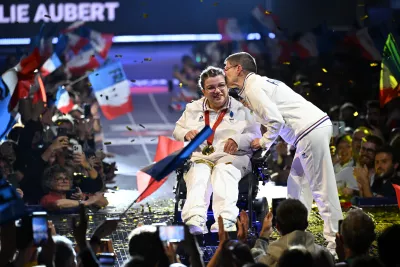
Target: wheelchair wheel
260,206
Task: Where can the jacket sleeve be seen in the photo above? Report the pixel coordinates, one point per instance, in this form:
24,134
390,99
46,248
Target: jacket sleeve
181,128
259,252
251,132
268,112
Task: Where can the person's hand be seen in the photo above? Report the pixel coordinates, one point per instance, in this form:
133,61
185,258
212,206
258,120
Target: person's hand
20,192
266,229
243,226
78,195
255,144
48,250
230,146
347,191
48,115
281,149
191,134
170,251
37,110
339,247
222,235
361,174
106,228
60,142
80,158
51,226
79,228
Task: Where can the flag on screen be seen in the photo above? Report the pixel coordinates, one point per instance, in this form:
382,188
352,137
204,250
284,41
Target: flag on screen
112,90
390,72
63,102
148,185
84,61
50,65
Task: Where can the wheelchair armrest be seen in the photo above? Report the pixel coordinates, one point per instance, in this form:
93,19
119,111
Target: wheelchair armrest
259,157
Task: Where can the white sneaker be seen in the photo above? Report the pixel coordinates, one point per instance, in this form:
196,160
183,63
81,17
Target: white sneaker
229,226
197,225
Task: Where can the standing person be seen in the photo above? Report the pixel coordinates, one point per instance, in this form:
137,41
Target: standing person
301,124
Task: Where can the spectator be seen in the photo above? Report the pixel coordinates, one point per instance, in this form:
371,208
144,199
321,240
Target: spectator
366,261
356,237
387,247
343,152
358,136
291,222
386,166
296,256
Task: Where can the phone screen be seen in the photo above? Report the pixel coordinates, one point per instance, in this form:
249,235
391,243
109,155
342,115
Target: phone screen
106,259
39,227
172,233
338,128
87,111
62,131
275,204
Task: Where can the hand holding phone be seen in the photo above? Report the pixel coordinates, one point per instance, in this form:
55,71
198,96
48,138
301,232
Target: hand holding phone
77,149
39,228
62,131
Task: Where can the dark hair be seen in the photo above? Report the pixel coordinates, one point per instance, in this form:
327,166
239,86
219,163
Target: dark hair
386,248
50,172
296,256
208,72
373,139
291,215
244,59
344,137
389,150
235,253
366,261
148,246
358,231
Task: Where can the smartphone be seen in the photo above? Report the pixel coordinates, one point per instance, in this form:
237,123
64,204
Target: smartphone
275,204
77,149
175,233
11,205
338,128
87,112
70,192
62,131
340,226
106,259
39,227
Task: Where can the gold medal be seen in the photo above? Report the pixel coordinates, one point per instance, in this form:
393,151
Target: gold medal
208,150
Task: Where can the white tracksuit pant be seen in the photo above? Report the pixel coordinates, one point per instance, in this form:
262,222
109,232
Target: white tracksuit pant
312,176
222,181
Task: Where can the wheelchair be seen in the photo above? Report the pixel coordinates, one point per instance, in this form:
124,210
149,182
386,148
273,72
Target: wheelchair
248,189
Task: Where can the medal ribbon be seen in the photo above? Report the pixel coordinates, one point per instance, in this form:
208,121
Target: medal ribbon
210,139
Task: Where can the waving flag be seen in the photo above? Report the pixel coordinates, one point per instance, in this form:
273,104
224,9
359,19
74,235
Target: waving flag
364,43
230,30
50,65
8,83
84,61
390,72
63,102
306,46
112,90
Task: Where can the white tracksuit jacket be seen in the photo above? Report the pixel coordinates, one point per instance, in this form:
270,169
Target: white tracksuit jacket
238,124
284,112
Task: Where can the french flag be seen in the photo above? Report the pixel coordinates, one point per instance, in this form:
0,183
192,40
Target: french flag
230,30
101,42
63,102
306,46
363,40
8,83
112,90
84,61
50,65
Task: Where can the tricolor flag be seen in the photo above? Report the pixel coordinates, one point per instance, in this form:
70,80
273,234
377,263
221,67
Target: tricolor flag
306,46
230,30
112,90
363,41
390,72
8,83
84,61
63,102
50,65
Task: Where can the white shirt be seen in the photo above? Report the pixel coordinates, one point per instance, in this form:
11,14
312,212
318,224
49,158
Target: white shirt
284,112
238,124
345,178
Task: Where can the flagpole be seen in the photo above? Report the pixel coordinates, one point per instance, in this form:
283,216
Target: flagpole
79,79
135,201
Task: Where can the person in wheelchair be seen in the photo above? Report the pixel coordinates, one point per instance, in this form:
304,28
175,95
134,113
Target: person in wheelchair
220,162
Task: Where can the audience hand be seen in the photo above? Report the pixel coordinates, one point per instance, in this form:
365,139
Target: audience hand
20,192
243,226
266,229
191,134
339,247
223,236
255,144
79,229
60,143
106,228
78,195
230,146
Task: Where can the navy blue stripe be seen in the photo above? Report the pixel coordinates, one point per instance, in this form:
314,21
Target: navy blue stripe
309,129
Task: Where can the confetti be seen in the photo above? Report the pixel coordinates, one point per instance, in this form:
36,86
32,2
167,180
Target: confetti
286,63
118,55
318,84
93,55
107,143
129,128
47,16
201,1
267,12
180,85
116,187
115,95
106,97
133,81
324,70
145,15
89,84
152,139
215,4
141,125
133,140
147,59
297,83
365,17
101,95
113,89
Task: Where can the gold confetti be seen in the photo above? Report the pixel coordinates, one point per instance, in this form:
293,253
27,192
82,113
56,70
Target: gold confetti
324,70
89,84
267,12
133,81
107,143
152,139
355,114
116,187
365,17
145,15
180,85
318,84
47,16
147,59
141,125
286,63
129,128
133,140
373,64
90,217
297,83
215,4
